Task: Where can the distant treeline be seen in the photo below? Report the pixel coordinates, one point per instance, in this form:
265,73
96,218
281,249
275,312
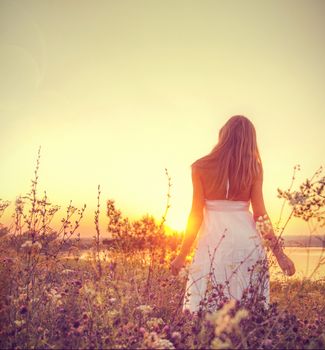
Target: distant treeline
289,241
304,241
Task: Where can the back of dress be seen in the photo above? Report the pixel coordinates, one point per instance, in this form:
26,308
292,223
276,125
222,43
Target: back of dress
229,255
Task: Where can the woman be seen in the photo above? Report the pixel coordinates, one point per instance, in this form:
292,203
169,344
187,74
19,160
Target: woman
230,260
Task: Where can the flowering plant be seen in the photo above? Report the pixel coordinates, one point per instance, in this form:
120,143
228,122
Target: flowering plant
264,227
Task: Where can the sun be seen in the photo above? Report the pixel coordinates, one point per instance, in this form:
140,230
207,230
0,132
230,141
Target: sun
175,224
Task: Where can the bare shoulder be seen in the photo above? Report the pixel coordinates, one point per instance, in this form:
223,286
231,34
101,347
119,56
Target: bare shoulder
196,163
194,166
195,170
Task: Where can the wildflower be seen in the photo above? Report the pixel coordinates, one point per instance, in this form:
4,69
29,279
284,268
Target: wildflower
27,244
37,246
22,297
176,336
223,322
187,312
166,328
19,323
112,313
241,314
111,291
217,343
55,296
297,198
153,341
89,290
263,225
77,283
30,246
163,344
23,310
144,309
142,330
154,322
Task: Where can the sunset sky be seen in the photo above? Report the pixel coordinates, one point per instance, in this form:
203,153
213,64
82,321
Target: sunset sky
117,91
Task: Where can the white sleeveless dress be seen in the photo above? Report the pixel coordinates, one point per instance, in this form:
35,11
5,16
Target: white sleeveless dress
229,257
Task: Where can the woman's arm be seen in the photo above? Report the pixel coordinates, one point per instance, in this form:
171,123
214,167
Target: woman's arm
196,214
259,210
268,234
193,223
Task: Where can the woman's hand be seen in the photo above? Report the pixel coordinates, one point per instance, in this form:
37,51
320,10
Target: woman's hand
286,264
177,264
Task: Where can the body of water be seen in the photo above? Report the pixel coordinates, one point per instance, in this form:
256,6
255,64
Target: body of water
305,260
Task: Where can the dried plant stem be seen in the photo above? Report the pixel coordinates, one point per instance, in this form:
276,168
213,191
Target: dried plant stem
97,237
152,254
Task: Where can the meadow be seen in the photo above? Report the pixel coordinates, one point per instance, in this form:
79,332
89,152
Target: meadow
124,295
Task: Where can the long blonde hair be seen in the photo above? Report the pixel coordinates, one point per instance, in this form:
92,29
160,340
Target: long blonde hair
235,156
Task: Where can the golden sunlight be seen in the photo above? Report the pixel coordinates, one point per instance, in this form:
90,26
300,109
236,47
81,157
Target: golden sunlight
104,106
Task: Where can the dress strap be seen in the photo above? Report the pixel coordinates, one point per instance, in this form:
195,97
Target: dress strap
227,188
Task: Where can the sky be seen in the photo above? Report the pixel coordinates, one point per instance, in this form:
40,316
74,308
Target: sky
114,92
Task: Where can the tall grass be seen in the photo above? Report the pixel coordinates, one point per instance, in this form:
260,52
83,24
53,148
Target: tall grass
130,299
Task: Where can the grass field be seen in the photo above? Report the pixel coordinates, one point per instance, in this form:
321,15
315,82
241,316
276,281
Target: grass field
75,303
124,295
